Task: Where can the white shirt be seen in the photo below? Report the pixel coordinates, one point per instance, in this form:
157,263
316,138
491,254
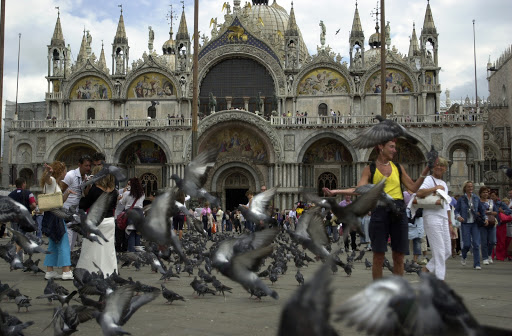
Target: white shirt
431,182
219,215
73,179
51,188
127,200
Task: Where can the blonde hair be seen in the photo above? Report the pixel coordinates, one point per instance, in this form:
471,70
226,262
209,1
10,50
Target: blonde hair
465,184
442,161
108,182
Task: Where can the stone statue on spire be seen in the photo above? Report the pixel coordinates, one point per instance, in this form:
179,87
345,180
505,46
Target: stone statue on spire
322,33
151,39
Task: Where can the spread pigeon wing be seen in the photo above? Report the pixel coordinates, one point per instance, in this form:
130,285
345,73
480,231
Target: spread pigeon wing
374,135
197,167
370,311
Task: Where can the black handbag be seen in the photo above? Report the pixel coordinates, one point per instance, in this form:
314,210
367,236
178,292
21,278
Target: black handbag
479,220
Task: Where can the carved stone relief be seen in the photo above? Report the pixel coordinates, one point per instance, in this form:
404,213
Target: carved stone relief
437,141
289,142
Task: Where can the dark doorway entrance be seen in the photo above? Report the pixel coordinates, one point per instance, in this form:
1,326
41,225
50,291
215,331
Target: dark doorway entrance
234,197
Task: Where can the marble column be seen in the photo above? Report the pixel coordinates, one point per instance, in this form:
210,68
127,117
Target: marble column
228,102
246,103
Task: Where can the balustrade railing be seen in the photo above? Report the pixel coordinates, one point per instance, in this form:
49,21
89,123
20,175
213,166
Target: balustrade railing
99,124
280,122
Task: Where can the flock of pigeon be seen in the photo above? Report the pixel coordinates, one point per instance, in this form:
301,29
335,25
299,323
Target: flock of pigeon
255,261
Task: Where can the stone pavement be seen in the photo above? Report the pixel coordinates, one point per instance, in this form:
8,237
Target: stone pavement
487,294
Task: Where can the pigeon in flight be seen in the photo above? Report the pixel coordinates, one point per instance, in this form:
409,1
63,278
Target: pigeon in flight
506,170
257,210
239,259
12,211
432,156
392,306
382,132
120,306
156,226
337,31
307,312
384,198
349,215
106,169
29,246
89,222
195,177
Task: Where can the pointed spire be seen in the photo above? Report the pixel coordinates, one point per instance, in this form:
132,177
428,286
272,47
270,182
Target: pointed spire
414,47
121,31
102,61
58,37
82,54
428,23
357,28
183,30
292,29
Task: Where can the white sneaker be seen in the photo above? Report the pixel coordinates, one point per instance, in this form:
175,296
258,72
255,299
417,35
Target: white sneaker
478,267
490,261
463,261
67,275
486,262
52,275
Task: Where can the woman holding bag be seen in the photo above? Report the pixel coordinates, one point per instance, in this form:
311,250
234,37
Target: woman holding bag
488,232
437,222
53,227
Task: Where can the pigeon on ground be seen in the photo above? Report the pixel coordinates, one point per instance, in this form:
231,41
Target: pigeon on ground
258,209
194,177
120,306
63,299
171,296
307,312
106,169
299,277
12,211
360,256
382,132
392,306
220,287
432,156
200,288
367,264
22,301
12,329
239,258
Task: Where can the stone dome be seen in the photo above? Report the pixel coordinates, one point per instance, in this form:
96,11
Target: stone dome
374,40
275,18
169,47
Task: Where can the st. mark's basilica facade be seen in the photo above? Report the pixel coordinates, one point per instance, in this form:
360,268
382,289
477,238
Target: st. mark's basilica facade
276,114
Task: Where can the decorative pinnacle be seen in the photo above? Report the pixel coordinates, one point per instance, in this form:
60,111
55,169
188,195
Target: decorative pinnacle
375,12
58,11
171,16
121,5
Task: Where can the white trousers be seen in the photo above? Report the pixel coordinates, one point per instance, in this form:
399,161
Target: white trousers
438,233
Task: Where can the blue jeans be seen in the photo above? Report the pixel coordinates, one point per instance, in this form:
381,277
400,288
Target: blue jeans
416,246
471,237
39,221
133,240
488,240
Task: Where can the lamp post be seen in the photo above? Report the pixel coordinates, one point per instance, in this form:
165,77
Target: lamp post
382,60
474,56
18,76
195,74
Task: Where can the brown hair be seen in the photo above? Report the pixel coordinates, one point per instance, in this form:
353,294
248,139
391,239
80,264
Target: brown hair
482,190
58,167
108,182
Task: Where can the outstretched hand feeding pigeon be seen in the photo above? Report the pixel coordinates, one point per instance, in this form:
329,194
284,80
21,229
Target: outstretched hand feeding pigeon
382,132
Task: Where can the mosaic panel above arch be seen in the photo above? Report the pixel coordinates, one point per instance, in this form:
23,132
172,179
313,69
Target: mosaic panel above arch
322,82
143,152
396,82
90,87
238,142
151,85
72,153
327,150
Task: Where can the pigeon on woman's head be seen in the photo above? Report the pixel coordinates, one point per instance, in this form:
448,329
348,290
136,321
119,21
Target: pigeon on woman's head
386,130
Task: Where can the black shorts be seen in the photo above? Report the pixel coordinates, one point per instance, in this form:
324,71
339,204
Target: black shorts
384,224
178,221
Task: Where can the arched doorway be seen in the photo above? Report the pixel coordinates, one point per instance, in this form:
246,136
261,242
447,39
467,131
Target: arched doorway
236,185
322,110
28,175
72,153
146,160
240,79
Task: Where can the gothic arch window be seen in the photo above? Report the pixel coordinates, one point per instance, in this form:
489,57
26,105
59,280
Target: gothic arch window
149,183
490,160
91,114
326,180
322,109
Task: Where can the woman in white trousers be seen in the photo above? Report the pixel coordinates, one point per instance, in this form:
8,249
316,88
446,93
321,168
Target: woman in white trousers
437,222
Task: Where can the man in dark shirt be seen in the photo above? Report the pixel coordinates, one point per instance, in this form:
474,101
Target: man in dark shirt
22,196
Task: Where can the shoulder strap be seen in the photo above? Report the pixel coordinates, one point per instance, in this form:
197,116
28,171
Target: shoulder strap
399,174
134,203
373,166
